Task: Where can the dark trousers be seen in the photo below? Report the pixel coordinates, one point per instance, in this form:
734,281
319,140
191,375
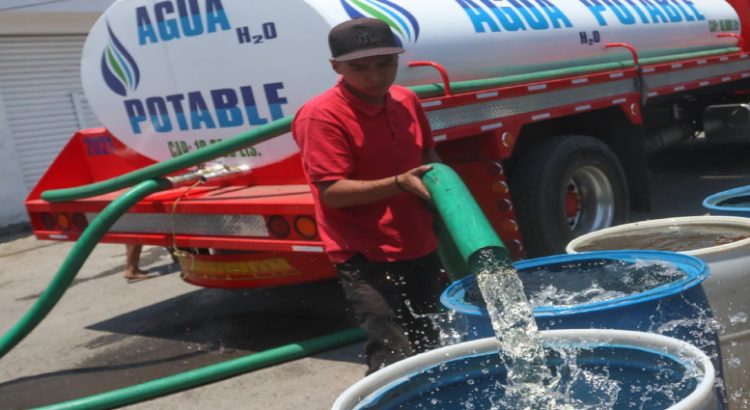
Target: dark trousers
389,300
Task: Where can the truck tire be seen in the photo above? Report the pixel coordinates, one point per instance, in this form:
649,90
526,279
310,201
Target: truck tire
565,187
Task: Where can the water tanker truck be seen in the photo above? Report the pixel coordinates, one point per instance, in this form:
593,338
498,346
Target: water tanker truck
547,109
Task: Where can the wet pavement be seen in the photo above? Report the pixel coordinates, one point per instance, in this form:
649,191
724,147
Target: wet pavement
106,334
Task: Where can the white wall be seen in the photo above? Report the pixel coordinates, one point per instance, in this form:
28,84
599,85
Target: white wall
32,17
12,188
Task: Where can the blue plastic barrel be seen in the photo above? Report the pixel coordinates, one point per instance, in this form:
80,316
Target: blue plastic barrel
649,370
644,311
733,202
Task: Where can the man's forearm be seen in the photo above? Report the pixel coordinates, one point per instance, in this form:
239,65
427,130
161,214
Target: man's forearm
349,192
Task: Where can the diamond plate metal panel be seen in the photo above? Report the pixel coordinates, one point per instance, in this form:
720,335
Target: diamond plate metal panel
695,74
506,107
190,224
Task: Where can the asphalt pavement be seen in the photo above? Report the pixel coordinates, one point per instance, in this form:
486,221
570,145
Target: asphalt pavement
107,334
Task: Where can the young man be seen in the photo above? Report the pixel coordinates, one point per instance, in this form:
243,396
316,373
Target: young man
363,145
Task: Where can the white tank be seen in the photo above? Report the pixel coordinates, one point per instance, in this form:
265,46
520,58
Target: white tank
170,76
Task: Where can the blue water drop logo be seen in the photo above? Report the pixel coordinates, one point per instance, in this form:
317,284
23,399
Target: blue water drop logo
119,69
402,22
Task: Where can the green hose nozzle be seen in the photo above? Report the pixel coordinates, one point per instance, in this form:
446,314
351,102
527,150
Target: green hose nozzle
464,229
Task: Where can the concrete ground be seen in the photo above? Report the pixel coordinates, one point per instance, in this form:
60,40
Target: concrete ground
106,334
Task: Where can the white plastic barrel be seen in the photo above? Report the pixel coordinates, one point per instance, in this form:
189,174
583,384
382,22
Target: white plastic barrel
727,287
376,390
169,76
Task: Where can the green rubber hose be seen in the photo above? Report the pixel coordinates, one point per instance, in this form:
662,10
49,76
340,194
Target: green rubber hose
466,228
75,259
211,373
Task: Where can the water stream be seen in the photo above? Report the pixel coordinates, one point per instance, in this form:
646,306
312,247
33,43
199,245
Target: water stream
530,383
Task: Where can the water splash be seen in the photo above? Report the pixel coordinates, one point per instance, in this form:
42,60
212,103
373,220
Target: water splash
740,398
530,383
452,325
596,281
737,318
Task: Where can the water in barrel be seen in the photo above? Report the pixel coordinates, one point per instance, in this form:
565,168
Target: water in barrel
531,382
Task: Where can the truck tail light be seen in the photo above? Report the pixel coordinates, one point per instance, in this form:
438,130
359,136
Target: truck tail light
278,227
306,227
48,222
500,187
63,221
79,221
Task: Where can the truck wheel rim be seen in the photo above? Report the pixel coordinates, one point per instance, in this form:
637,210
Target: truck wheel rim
590,201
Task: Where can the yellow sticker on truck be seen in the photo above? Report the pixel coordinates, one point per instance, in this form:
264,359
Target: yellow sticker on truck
239,269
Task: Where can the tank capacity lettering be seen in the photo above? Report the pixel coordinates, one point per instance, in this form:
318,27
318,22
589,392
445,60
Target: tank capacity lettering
515,15
723,25
180,147
197,110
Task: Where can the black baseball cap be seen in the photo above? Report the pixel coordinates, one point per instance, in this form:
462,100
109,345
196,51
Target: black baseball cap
360,38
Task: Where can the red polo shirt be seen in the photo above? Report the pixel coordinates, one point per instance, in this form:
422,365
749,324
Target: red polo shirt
341,136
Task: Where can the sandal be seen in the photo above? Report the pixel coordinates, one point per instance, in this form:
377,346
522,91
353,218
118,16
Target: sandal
138,277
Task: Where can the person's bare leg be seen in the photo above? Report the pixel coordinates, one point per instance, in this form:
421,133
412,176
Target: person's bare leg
132,260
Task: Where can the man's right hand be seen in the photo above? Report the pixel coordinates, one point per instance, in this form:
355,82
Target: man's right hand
411,181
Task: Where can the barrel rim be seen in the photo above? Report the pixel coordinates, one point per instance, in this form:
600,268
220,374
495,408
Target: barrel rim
712,202
677,350
695,269
686,220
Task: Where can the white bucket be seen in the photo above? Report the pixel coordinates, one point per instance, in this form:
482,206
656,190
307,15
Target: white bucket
727,288
396,376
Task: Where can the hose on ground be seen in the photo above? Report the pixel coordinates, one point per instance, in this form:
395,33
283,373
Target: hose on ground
75,259
208,374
